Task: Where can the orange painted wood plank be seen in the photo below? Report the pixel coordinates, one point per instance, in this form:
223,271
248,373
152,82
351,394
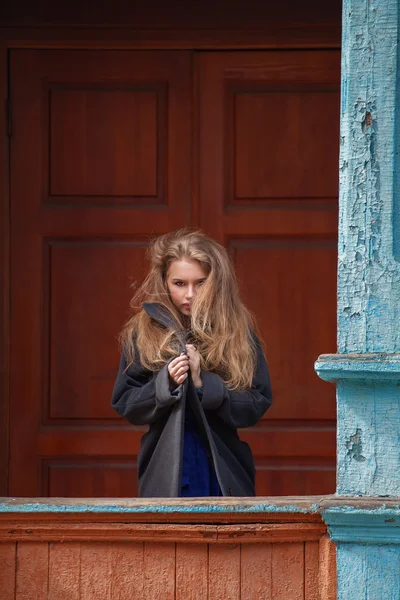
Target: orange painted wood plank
8,564
288,571
311,571
32,571
127,571
191,572
95,580
256,577
159,571
224,572
165,532
64,570
327,569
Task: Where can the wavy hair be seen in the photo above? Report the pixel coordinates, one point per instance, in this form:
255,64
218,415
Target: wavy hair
220,325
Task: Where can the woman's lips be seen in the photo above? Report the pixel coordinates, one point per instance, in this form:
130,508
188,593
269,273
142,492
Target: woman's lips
186,305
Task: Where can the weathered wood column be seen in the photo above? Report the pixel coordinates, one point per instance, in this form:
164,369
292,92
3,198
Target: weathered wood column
366,369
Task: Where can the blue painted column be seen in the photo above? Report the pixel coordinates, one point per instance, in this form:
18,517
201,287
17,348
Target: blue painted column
368,550
366,369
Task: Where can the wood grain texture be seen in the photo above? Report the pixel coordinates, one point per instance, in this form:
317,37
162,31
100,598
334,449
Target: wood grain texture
95,581
64,571
127,571
224,572
191,572
256,573
32,571
159,571
132,570
288,571
311,570
93,570
327,569
200,534
7,570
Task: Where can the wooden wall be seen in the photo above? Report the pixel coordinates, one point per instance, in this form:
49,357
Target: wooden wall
221,557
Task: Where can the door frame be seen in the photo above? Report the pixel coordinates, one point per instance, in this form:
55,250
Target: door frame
286,36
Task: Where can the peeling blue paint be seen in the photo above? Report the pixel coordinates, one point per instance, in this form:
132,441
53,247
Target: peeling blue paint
377,367
368,394
190,508
368,572
369,218
368,551
354,446
352,525
366,369
396,191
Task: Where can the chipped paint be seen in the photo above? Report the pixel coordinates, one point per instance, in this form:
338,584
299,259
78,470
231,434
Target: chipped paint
366,369
369,274
376,367
368,572
368,402
17,506
354,447
354,525
367,551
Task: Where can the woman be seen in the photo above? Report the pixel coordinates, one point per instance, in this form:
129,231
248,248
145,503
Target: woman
193,370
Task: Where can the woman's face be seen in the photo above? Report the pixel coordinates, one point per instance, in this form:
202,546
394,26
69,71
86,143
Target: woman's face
184,279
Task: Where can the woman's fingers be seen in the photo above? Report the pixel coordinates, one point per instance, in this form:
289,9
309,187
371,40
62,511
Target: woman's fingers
181,370
177,368
178,361
191,348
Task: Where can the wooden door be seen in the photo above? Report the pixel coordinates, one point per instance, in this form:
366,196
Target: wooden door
269,138
100,159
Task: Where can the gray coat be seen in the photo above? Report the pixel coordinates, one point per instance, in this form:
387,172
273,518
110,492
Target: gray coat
145,398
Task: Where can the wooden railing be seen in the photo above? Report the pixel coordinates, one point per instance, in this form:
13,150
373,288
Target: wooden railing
258,549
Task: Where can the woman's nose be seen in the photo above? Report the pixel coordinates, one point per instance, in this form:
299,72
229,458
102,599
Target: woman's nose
190,291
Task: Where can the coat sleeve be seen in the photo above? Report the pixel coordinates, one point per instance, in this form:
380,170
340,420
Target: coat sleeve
140,397
239,408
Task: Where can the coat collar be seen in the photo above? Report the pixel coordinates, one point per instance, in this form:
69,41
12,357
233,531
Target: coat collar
159,313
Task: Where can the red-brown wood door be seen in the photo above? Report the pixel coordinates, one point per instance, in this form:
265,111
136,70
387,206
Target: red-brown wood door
269,144
100,160
102,157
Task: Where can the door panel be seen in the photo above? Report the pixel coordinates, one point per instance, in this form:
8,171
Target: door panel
269,135
100,161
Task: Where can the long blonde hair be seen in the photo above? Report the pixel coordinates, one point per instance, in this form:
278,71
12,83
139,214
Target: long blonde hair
220,324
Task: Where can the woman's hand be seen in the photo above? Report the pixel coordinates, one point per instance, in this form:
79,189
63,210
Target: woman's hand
194,364
178,369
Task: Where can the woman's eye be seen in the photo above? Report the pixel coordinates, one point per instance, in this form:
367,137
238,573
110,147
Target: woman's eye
201,282
179,283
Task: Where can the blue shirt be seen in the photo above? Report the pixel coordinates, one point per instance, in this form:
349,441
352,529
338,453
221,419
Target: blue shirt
198,475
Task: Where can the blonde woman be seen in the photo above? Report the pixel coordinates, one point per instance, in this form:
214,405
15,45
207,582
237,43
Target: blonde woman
192,369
